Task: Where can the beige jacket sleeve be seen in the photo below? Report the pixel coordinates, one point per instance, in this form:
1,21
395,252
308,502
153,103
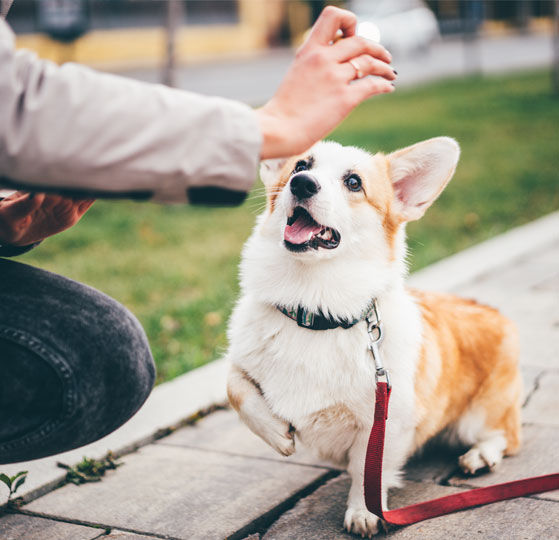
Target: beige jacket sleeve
75,130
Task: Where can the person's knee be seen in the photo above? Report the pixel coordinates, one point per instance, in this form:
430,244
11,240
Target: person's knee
118,373
96,347
135,375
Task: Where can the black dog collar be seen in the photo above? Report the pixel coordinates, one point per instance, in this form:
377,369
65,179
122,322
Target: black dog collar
317,321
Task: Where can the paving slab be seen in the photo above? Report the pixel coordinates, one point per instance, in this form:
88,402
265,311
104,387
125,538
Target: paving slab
539,455
493,255
517,519
315,517
224,432
320,515
527,291
122,535
21,527
533,268
181,492
530,379
543,404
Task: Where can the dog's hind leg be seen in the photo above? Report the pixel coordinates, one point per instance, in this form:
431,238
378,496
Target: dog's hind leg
485,454
246,398
493,441
492,424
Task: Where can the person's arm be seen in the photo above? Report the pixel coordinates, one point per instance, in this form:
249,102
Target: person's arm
84,133
72,128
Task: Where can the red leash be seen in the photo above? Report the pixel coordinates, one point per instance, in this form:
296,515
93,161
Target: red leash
436,507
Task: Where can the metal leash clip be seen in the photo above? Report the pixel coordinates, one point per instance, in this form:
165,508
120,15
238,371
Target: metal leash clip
375,333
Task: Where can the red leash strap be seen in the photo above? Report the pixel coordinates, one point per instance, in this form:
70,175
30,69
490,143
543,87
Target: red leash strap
436,507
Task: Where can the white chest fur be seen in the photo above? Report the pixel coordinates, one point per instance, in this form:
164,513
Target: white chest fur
302,372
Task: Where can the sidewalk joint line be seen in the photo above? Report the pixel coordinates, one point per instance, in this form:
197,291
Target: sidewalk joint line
261,524
103,534
535,387
263,458
541,497
467,485
92,524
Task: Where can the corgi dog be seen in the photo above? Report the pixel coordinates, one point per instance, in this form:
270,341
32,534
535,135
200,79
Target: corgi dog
330,242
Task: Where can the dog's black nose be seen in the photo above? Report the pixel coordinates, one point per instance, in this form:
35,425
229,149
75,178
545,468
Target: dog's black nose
304,186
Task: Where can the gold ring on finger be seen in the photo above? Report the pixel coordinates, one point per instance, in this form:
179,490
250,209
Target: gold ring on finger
358,72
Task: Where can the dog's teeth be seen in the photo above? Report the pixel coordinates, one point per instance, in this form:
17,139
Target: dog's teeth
325,234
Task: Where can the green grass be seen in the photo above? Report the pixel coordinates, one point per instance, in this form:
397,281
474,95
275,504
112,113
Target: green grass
176,267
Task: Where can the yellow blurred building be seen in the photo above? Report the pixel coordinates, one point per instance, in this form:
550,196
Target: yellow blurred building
125,34
132,33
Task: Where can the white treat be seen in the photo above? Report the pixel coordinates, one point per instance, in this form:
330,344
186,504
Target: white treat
369,30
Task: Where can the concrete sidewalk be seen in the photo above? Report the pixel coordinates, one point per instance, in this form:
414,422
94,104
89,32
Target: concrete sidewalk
215,479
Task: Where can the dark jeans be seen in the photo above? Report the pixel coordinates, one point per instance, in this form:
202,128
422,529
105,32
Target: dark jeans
74,364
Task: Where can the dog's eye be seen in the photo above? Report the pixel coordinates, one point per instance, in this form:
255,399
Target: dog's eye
353,183
301,165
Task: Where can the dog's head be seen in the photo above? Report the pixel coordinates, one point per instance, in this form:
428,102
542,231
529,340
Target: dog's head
334,199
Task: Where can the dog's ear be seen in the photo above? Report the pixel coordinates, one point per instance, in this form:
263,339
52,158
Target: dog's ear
269,170
420,172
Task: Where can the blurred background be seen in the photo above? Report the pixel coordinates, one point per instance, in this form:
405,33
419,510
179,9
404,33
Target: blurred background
249,42
484,72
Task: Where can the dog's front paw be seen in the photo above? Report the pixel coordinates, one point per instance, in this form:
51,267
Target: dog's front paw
280,436
361,521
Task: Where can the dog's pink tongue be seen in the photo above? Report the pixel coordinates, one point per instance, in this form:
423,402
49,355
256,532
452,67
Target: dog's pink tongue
301,231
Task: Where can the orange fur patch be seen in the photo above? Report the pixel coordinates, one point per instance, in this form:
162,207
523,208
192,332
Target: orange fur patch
339,424
380,195
469,362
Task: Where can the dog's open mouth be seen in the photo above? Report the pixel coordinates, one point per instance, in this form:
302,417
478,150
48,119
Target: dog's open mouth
302,232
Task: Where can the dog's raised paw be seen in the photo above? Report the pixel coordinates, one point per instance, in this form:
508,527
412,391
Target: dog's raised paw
285,446
280,437
258,417
362,522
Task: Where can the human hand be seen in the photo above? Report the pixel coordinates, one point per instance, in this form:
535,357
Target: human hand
26,218
316,94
